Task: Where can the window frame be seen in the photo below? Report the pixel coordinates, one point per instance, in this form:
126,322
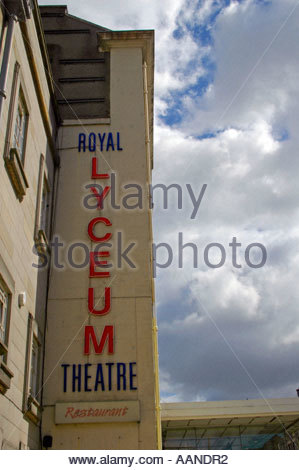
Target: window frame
23,128
15,162
42,233
7,284
35,368
31,398
5,339
44,207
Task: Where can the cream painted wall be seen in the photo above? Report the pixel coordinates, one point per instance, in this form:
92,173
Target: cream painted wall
132,305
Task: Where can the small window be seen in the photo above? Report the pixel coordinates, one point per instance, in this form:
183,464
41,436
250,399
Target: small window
20,129
4,306
44,212
16,135
5,302
35,362
31,406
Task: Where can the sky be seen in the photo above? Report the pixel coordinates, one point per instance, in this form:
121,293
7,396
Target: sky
226,116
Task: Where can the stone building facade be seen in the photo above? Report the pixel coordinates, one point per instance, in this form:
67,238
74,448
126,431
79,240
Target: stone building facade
78,364
29,158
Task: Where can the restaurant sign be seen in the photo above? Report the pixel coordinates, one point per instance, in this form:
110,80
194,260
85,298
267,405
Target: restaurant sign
97,412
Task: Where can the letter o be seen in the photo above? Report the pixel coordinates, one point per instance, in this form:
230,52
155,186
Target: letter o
70,255
264,255
92,142
206,255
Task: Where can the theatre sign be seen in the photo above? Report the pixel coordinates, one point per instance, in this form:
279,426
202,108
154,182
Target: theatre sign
101,357
87,377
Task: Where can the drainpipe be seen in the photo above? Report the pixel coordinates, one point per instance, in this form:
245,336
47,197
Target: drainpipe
6,58
154,324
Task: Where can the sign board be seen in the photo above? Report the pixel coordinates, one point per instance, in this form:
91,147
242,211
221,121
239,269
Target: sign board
97,412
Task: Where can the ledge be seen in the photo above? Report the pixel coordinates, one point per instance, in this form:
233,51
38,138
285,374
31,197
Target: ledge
3,348
127,39
5,377
33,411
86,122
16,173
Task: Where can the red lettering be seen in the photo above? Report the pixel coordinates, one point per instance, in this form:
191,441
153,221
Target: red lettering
107,337
101,196
94,173
93,262
94,222
91,306
69,412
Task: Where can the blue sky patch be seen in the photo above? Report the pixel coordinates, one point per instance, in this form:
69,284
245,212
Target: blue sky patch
201,33
280,134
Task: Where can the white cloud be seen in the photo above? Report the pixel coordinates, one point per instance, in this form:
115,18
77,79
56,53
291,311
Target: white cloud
252,193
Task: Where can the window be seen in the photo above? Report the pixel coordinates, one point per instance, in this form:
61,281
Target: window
42,219
31,406
34,374
44,212
16,135
5,373
4,305
20,129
